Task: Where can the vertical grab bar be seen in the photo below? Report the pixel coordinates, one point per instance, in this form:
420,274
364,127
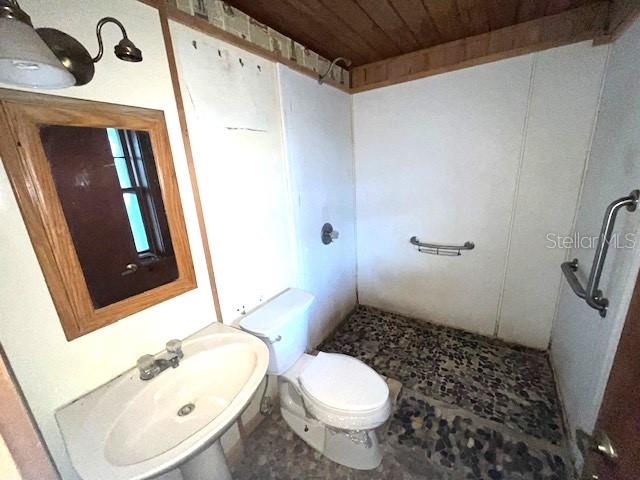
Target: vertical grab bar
592,294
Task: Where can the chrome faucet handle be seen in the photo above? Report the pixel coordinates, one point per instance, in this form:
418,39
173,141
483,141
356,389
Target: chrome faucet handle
147,366
174,348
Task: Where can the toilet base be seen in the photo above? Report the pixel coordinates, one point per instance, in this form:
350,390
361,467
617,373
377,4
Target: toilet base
361,452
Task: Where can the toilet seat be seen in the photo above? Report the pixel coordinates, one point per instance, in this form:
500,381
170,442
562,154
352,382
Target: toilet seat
343,392
343,383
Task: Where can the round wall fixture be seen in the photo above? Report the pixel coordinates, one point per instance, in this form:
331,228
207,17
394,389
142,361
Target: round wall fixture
329,234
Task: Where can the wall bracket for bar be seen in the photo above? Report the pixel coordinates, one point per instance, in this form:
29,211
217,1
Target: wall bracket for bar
437,249
592,295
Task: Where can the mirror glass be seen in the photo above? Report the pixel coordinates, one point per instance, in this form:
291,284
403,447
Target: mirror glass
108,186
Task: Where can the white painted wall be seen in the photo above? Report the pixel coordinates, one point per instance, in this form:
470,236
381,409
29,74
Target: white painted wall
235,126
583,344
319,147
50,370
564,100
492,154
438,158
263,210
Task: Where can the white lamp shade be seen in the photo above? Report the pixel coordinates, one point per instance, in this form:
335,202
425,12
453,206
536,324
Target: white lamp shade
26,61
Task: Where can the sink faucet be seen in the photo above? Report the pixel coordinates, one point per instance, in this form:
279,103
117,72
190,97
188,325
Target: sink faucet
151,366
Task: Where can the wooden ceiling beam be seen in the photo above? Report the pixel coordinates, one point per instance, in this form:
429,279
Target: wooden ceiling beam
474,16
356,48
502,13
351,12
418,20
622,13
389,21
582,23
528,11
445,16
276,15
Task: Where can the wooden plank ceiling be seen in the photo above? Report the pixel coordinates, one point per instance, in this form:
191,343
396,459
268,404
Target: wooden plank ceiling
368,31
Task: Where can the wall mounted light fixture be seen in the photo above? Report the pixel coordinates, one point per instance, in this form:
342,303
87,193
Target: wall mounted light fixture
50,58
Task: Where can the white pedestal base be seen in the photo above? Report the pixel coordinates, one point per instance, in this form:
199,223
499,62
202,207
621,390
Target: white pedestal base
209,464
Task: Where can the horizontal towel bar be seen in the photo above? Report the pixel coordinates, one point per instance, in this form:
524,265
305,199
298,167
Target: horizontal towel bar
437,249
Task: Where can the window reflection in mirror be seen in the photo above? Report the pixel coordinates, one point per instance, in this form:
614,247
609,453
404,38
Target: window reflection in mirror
107,183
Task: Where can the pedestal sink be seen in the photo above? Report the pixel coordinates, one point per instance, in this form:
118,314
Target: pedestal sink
130,429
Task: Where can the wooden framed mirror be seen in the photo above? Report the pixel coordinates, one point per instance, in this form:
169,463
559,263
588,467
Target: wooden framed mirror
97,189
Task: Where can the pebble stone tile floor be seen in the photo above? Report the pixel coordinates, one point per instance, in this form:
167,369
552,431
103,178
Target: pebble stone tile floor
470,408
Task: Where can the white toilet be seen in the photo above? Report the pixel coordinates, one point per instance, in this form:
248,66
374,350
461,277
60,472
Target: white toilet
333,401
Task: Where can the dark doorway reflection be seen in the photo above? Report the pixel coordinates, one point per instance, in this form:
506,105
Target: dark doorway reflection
107,183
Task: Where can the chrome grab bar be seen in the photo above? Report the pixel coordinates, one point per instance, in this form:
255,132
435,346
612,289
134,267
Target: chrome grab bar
568,268
592,294
437,249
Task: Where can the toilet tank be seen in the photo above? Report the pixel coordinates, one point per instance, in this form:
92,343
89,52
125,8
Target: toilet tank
282,323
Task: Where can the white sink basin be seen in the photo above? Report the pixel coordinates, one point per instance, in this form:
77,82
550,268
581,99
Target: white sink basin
130,429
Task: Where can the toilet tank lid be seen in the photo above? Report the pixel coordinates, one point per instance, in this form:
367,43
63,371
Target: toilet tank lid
267,319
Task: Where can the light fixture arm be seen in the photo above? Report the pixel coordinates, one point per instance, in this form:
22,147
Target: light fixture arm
101,23
10,9
50,58
323,77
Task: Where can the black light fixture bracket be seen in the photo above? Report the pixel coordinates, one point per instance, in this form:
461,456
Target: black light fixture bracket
124,50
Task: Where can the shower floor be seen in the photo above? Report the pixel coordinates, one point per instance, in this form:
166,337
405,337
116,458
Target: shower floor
470,407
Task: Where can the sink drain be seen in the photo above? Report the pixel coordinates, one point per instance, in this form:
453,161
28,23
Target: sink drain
186,409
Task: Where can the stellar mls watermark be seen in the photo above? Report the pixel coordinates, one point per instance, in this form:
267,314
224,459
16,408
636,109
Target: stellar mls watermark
577,240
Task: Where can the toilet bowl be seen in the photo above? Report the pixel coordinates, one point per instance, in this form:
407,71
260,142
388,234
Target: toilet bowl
334,402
